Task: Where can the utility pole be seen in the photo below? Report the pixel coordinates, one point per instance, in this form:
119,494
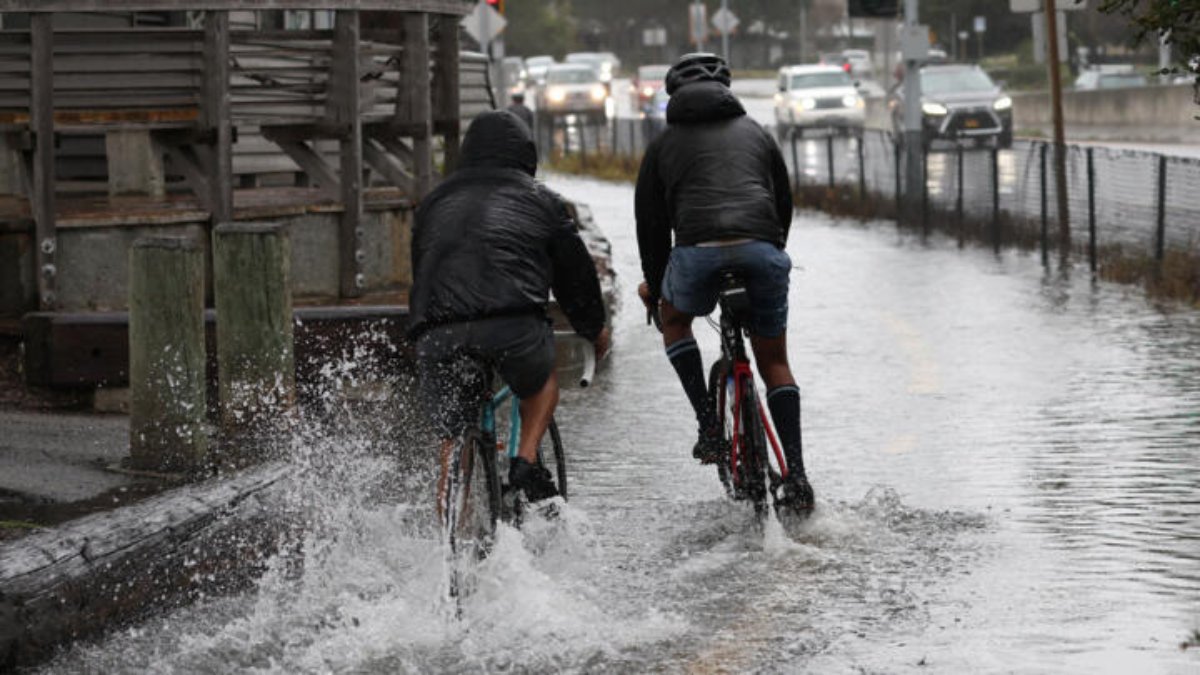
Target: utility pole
1060,148
916,49
804,31
725,33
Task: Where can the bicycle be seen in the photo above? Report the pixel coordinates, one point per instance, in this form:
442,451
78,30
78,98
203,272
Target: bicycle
472,498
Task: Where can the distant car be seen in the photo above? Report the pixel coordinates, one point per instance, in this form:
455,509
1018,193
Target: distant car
515,74
1110,77
817,96
654,114
648,81
535,67
958,102
840,60
860,62
573,89
605,64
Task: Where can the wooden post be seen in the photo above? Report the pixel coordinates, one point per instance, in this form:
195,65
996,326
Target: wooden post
996,199
414,102
344,88
41,121
1091,180
862,164
214,114
448,94
166,354
1045,206
1160,232
255,363
959,178
1060,148
829,158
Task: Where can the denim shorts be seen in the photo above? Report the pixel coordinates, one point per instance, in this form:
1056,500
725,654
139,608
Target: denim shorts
691,281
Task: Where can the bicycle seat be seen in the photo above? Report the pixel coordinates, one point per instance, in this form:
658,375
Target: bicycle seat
732,293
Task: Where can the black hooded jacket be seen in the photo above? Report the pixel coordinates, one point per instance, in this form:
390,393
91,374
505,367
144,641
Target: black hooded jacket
713,174
490,241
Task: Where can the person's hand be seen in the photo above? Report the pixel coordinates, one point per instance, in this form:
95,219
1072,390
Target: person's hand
644,294
603,343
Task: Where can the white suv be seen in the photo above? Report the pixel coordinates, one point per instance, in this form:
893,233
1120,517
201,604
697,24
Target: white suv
817,96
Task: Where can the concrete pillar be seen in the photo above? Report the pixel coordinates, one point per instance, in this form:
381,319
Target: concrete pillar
13,177
135,165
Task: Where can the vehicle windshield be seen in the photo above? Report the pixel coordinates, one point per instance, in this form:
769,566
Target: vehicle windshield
571,76
955,81
831,78
653,72
583,58
539,61
1118,80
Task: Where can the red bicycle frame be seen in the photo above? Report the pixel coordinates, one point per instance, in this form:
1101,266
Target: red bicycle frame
743,378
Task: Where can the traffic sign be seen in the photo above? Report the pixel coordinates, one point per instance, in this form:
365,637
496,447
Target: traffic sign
725,21
1027,6
484,23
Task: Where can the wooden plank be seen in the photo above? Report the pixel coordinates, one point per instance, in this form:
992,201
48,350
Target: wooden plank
315,166
41,113
215,114
456,7
414,100
382,162
345,79
447,97
185,160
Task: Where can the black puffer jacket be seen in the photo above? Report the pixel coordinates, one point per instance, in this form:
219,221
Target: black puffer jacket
713,174
490,241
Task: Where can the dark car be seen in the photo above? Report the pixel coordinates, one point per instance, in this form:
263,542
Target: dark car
958,103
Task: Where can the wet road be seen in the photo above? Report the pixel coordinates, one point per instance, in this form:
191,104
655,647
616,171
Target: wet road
1008,467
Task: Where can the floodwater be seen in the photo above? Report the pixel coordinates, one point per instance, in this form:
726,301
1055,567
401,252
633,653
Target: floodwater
1007,463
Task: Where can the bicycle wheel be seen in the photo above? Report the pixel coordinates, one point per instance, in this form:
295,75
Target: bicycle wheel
752,461
720,394
554,461
470,505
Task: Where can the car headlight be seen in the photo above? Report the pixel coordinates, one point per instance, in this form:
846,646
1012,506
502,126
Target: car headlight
599,93
807,103
934,109
556,94
647,91
1002,103
851,101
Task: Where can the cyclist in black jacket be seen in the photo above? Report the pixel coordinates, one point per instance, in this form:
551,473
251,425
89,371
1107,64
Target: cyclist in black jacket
716,179
489,245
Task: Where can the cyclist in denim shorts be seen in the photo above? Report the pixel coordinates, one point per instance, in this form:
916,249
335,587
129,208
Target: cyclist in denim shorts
717,181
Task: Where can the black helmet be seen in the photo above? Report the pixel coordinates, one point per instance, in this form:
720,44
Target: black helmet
697,68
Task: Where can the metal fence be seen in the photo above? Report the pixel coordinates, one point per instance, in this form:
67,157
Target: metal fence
1142,201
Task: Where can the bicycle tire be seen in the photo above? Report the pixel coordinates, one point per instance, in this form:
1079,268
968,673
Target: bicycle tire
718,397
557,465
754,461
751,473
472,501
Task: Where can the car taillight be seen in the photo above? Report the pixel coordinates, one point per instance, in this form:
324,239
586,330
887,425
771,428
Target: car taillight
846,67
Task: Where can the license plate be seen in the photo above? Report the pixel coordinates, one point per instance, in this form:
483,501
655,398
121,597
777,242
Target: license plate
972,124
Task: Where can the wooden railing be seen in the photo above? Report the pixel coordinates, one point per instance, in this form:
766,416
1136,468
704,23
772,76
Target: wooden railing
379,93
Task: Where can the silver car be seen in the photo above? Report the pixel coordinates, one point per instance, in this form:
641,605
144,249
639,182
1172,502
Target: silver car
817,96
573,90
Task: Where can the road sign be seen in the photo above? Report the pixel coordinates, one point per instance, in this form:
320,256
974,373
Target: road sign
484,23
698,22
874,9
1027,6
654,37
725,21
981,24
1041,44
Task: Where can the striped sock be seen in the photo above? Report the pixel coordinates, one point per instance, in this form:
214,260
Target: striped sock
685,358
784,403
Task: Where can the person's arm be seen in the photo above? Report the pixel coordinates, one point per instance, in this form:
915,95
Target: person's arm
573,277
782,184
653,221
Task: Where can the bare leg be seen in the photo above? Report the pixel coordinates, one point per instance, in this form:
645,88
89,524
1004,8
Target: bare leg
772,358
536,412
447,451
676,325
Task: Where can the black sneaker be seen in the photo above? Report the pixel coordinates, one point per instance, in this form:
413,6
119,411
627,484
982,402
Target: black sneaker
796,495
533,479
710,448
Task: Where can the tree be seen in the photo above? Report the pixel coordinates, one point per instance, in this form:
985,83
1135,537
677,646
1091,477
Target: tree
1176,21
539,27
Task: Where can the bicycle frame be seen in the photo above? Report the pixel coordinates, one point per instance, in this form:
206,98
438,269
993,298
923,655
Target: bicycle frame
488,421
734,350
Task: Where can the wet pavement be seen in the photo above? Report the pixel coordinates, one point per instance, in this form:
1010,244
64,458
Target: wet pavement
1007,462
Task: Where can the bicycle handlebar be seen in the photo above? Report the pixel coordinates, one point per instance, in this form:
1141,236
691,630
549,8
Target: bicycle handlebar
589,357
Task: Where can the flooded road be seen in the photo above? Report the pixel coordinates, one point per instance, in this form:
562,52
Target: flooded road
1007,466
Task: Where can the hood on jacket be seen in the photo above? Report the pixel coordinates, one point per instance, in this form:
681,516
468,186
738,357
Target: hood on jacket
499,139
703,102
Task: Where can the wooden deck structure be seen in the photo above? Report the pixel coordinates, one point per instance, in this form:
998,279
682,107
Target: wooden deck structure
366,113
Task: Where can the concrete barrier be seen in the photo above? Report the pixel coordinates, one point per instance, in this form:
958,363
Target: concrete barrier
1155,113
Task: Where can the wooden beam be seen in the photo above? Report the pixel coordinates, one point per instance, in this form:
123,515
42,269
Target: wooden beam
215,102
188,162
345,79
414,102
381,161
448,96
315,166
41,114
455,7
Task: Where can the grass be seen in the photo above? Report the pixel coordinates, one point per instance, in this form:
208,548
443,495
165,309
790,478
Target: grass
1192,642
18,525
1177,278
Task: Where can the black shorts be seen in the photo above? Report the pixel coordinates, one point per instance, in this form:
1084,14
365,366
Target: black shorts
455,364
